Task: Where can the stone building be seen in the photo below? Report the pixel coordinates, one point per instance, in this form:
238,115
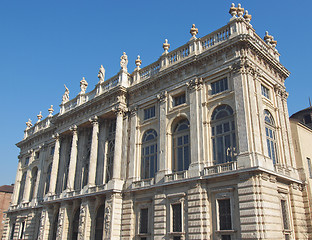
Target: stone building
6,192
196,145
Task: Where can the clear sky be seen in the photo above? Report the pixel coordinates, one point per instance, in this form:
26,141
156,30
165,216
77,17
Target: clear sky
44,44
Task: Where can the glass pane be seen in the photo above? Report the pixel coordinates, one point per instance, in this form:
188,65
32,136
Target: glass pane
225,222
273,152
219,129
214,149
146,151
186,158
180,159
220,151
226,127
177,218
186,139
213,131
269,148
152,171
228,149
144,220
152,149
180,141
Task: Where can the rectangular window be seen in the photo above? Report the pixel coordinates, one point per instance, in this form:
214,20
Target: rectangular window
309,167
178,100
176,217
52,151
225,221
22,229
12,231
265,91
27,161
219,86
37,154
144,220
285,214
149,112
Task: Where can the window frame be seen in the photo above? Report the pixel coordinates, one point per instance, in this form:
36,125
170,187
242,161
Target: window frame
271,130
265,92
148,144
176,99
144,204
173,199
149,113
176,135
215,86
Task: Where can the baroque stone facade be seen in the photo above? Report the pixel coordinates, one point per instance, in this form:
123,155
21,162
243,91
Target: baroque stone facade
196,145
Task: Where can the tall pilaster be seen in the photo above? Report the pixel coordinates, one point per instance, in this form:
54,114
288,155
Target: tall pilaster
17,183
195,86
28,180
38,185
73,160
94,151
55,164
118,144
162,163
133,165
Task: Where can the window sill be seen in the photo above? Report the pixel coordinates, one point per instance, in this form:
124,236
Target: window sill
226,231
176,233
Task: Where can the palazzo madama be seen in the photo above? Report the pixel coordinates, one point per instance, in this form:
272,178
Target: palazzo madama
196,145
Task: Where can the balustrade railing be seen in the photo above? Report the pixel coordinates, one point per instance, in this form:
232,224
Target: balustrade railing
175,176
220,168
143,183
150,70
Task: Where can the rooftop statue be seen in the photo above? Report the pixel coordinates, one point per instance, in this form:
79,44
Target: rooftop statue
101,74
83,86
124,61
65,95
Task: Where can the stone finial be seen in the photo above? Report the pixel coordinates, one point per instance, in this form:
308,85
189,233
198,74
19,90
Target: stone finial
51,110
83,86
193,31
267,38
240,10
124,61
28,124
138,63
65,95
101,74
39,116
233,10
247,16
166,46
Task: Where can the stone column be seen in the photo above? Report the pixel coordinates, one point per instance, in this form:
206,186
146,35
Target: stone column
118,144
73,160
194,87
17,182
28,180
162,163
94,151
55,164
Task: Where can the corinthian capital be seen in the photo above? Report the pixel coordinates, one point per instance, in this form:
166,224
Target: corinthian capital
195,84
162,97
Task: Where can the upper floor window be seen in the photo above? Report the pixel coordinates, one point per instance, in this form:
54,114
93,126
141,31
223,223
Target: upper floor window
149,112
309,167
149,154
33,181
223,135
37,154
52,149
181,146
219,86
178,100
48,178
265,91
307,119
270,136
27,161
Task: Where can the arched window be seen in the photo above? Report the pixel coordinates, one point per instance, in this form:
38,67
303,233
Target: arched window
75,225
99,223
181,146
54,227
22,187
149,154
223,135
270,136
34,173
48,177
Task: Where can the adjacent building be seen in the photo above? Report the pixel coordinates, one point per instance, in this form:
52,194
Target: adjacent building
196,145
6,192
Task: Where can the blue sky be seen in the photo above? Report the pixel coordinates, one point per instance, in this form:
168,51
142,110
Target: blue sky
45,44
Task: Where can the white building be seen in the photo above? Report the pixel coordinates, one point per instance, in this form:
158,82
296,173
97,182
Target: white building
196,145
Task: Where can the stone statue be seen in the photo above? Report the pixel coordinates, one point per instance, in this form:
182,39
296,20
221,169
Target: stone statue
65,95
124,61
101,74
83,86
